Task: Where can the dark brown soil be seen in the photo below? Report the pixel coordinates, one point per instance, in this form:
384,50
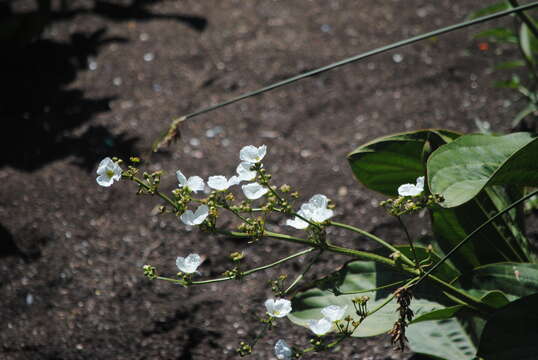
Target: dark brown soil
105,79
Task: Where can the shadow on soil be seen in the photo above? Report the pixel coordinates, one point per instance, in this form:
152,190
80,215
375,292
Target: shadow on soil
39,112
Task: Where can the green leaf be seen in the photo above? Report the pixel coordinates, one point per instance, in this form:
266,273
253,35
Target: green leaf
512,332
461,169
529,109
446,339
491,9
359,276
441,314
507,65
498,34
527,42
515,280
386,163
495,299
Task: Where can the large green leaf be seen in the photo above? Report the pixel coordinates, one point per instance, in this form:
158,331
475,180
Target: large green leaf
446,339
358,276
388,162
515,280
461,169
512,332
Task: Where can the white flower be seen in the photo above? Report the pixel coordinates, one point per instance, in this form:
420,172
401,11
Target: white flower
252,154
282,350
314,210
320,327
193,183
196,218
297,222
244,172
188,264
220,182
278,308
412,190
333,312
254,191
108,172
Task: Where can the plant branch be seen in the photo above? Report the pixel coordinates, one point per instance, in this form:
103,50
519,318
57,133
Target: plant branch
356,58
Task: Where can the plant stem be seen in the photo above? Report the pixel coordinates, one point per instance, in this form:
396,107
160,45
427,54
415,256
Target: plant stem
474,232
417,263
302,274
372,237
525,18
243,273
362,56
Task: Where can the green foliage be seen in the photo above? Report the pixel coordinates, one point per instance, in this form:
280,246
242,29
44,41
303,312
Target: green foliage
445,339
512,332
461,169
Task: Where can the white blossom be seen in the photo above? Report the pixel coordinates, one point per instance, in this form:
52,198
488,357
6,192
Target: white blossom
254,191
196,218
282,350
193,183
244,172
188,264
278,308
220,183
314,210
252,154
412,190
108,172
297,222
334,312
320,327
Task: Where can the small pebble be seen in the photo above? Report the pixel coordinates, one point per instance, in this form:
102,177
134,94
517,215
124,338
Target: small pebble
149,57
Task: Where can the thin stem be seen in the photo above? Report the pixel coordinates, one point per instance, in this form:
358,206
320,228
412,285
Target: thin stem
389,299
157,192
362,56
417,264
338,293
475,231
243,273
525,18
302,274
372,237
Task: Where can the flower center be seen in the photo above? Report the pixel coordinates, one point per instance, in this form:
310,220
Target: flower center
110,173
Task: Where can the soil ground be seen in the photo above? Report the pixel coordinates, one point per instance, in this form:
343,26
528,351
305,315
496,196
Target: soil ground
106,78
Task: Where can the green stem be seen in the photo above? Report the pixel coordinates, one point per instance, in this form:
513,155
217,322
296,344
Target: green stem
417,263
243,273
374,238
338,292
362,56
157,192
525,18
475,231
302,274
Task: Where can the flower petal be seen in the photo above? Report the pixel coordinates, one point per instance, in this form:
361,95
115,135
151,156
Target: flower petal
252,154
104,180
282,350
195,184
200,214
254,191
420,183
297,223
408,190
320,327
244,172
217,182
334,312
188,264
181,179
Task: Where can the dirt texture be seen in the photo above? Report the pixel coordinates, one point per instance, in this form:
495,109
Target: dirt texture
106,78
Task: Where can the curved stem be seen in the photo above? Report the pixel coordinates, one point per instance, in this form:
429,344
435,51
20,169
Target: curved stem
372,237
473,233
302,274
356,58
417,264
243,273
